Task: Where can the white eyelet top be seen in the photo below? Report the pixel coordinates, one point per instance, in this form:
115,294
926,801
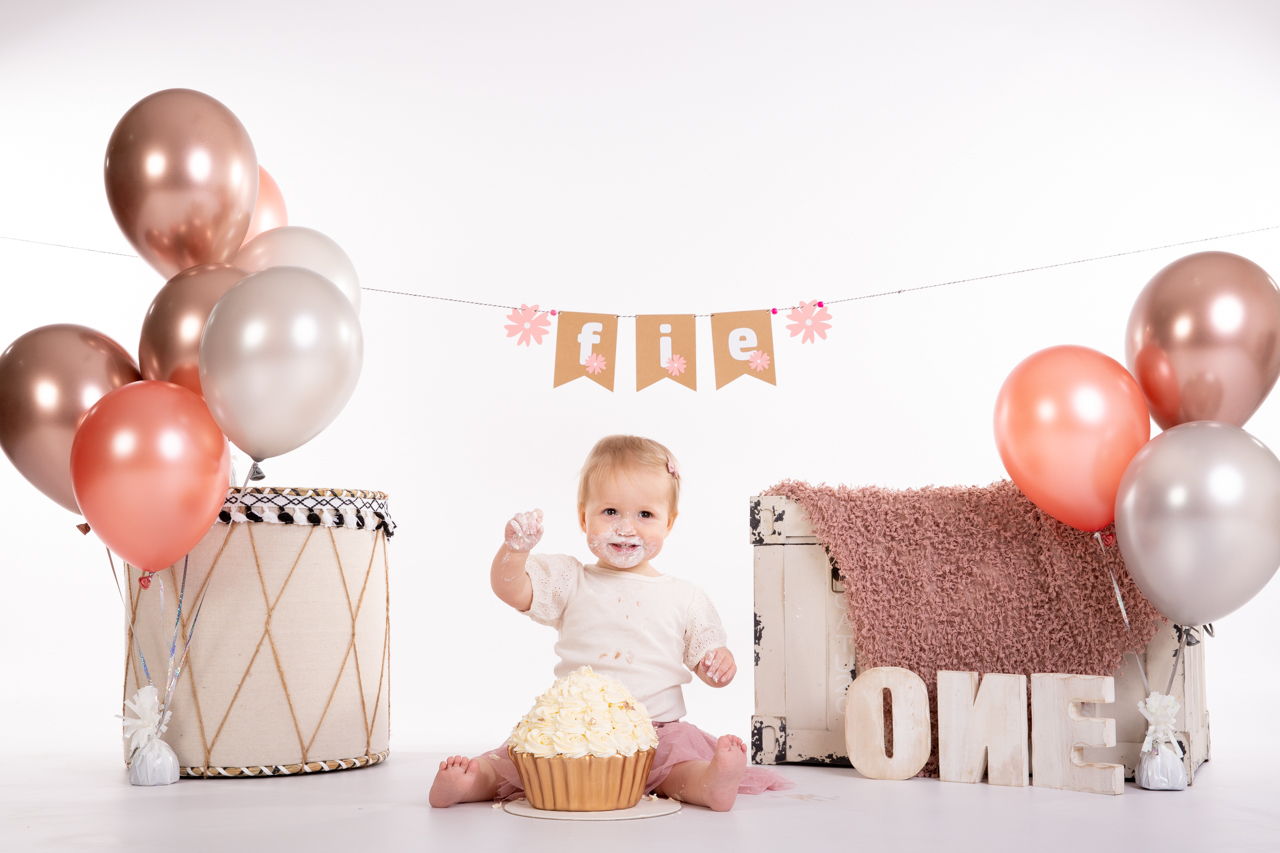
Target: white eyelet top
649,633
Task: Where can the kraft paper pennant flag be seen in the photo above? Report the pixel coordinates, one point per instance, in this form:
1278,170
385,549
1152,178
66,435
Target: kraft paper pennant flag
743,345
666,349
586,345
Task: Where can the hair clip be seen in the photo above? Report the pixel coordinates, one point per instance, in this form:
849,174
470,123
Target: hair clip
671,467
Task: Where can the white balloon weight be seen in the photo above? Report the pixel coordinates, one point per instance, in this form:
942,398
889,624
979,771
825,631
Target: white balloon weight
1198,519
280,357
294,246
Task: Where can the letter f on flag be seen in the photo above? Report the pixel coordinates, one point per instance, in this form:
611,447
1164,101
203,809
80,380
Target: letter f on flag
587,338
591,352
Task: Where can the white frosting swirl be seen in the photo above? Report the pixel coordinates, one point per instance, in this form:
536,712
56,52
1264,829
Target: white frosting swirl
583,714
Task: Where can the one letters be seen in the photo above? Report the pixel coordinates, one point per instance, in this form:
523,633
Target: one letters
984,726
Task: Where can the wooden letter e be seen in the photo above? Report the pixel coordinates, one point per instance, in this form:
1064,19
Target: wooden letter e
1059,732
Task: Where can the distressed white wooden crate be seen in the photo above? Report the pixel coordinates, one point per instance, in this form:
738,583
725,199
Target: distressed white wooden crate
805,658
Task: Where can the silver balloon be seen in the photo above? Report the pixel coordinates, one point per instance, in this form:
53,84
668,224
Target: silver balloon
279,358
1198,519
294,246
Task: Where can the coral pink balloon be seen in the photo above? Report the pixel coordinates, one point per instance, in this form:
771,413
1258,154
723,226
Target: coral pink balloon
269,212
1068,421
149,468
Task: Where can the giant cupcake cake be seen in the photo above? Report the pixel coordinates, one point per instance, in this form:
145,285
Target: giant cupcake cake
586,745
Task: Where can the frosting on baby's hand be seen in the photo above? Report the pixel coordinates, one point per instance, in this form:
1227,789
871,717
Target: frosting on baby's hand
719,666
524,530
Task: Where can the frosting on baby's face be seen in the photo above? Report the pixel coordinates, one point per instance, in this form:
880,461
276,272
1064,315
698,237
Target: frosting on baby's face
626,517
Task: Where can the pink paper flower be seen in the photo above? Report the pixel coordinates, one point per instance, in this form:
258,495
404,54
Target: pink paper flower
675,365
528,324
758,361
809,319
595,363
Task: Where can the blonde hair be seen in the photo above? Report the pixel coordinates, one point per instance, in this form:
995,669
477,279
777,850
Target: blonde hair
614,453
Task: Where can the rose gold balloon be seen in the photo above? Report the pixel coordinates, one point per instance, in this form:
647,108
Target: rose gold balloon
150,471
49,378
170,346
1068,422
181,179
270,211
1204,339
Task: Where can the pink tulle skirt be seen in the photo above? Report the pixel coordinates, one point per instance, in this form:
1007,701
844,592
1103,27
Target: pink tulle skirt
677,742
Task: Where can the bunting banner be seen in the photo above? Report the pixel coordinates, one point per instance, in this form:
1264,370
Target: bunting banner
743,345
666,348
586,345
666,344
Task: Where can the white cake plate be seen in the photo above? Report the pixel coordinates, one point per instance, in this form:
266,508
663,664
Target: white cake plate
645,808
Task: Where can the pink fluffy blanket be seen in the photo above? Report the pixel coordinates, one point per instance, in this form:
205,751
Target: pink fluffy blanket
973,578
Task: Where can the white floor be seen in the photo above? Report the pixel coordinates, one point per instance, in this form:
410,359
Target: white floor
72,804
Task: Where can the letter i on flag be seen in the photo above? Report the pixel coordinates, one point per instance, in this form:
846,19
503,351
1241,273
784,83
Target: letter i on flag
586,345
743,345
666,348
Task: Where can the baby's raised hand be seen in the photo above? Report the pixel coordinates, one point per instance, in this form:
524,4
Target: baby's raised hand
524,530
718,667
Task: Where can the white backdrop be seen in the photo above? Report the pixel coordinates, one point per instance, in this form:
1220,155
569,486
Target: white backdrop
636,157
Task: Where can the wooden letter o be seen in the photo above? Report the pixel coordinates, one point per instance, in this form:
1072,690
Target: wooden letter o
864,723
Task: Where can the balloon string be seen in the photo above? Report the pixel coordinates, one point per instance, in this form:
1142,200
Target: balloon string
128,617
195,618
116,578
1177,658
1120,601
160,581
1143,672
175,671
230,526
169,679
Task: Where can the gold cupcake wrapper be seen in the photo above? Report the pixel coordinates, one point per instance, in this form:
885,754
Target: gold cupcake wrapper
587,784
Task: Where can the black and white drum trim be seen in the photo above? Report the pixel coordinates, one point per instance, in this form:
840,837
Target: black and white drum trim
318,507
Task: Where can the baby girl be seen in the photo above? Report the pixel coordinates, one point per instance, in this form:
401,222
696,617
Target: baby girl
624,619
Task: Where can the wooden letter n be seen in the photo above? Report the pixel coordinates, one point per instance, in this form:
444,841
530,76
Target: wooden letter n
982,727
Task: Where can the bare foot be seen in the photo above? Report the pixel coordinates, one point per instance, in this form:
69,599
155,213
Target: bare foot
455,779
719,784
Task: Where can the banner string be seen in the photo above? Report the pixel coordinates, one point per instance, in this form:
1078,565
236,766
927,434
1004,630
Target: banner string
1054,266
64,246
877,295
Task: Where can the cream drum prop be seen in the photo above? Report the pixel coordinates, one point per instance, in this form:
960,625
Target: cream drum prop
289,665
